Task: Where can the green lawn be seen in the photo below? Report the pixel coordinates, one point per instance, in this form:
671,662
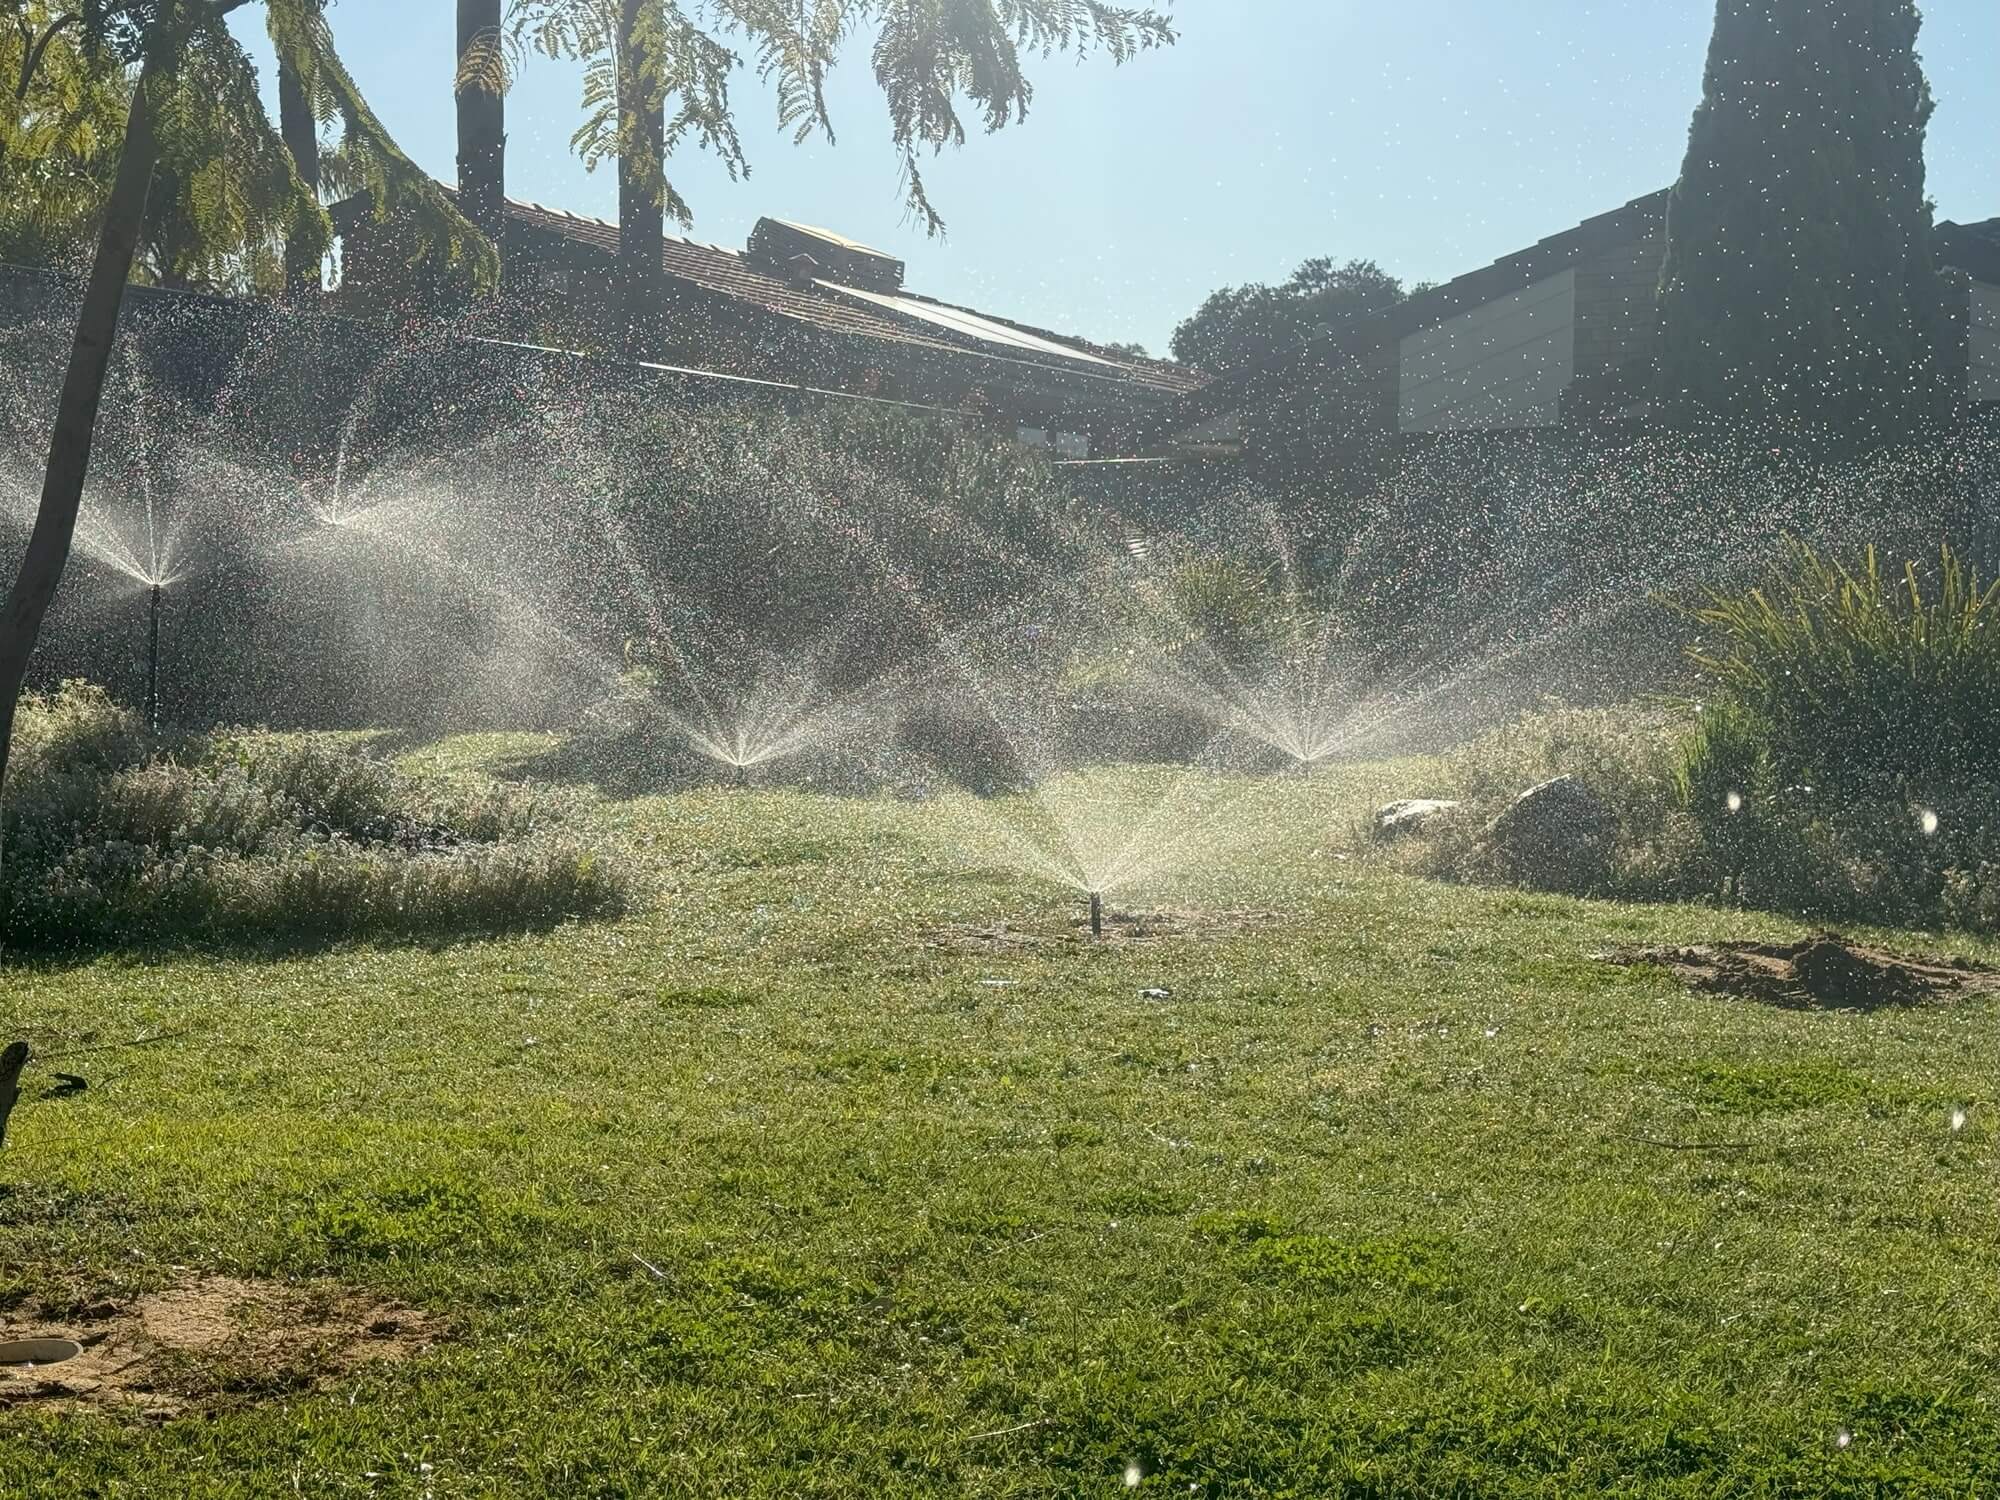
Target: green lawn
1397,1192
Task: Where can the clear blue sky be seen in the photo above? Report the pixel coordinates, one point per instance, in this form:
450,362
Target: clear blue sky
1429,135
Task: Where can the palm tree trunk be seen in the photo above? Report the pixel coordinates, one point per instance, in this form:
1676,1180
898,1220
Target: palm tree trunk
642,217
482,128
76,413
301,135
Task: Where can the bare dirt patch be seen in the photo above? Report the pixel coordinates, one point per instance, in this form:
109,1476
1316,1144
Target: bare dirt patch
1121,929
1823,972
209,1342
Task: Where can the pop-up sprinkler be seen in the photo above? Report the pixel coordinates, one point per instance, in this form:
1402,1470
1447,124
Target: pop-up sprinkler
31,1352
742,776
153,665
1096,914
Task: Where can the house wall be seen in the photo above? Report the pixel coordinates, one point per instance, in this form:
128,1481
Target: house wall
1501,366
1617,308
1983,340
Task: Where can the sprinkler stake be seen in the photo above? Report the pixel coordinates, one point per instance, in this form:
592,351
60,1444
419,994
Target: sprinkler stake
153,665
1096,915
743,777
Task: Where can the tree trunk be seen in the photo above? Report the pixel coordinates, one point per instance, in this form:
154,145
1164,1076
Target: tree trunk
76,413
482,129
641,207
301,135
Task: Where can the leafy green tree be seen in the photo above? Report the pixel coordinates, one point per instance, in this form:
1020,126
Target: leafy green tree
1800,294
225,196
62,115
193,78
1312,410
229,195
1248,327
657,76
207,225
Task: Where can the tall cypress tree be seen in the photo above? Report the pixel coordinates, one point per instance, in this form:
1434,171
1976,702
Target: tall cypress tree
1801,295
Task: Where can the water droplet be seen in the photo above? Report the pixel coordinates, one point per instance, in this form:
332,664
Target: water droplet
1133,1474
1842,1438
1957,1121
1929,821
1735,801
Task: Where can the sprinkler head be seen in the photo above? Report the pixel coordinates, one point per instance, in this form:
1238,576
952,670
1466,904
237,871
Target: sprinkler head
153,662
743,776
1096,914
38,1351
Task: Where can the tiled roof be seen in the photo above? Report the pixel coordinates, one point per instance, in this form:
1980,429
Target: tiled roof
1971,248
839,310
1511,273
1182,377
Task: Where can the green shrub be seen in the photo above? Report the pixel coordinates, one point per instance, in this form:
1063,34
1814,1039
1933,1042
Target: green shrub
248,835
1846,761
831,543
1840,679
1221,601
1844,764
786,570
1857,857
1204,623
1627,757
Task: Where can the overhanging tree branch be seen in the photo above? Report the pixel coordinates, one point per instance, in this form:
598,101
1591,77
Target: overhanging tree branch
31,57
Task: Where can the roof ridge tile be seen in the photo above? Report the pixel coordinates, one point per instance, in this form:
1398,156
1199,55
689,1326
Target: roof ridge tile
728,273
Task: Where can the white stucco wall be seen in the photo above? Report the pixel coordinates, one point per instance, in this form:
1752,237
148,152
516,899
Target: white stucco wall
1984,336
1502,365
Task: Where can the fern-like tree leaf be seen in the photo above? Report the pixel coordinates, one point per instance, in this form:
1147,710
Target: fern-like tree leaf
397,187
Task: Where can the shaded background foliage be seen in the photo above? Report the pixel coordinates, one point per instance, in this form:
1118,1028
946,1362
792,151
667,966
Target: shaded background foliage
517,519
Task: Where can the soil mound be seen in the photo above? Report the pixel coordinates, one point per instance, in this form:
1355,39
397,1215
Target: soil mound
1822,972
209,1342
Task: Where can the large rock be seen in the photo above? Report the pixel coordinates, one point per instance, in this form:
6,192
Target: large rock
1555,837
1411,815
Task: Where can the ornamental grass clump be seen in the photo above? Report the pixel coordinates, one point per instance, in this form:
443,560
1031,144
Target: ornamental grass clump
1849,680
1846,760
112,839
